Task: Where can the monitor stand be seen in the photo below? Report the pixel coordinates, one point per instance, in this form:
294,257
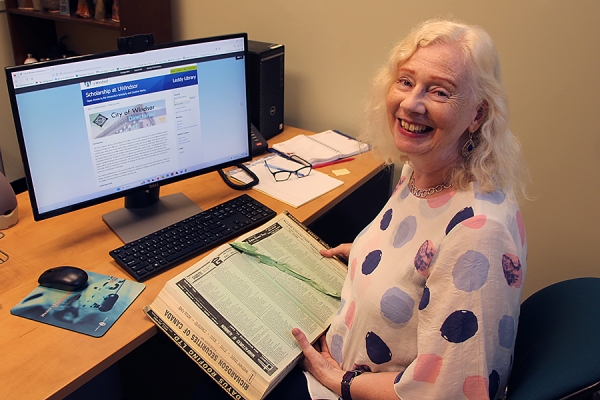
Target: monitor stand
133,222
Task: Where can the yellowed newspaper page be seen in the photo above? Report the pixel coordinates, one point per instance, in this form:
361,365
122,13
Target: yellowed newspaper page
255,306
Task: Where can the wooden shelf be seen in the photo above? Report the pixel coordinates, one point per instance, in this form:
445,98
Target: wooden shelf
55,16
35,32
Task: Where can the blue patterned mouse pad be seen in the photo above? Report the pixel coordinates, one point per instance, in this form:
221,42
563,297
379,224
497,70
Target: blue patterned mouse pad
92,310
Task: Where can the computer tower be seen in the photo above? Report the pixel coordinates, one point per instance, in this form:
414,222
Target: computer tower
265,86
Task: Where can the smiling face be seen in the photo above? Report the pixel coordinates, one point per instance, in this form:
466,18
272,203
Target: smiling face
432,107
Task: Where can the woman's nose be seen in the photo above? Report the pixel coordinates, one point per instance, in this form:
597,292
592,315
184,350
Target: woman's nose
414,102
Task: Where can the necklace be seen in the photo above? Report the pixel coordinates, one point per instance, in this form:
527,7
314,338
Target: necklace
422,193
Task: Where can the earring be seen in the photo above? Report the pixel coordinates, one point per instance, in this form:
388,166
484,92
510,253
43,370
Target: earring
469,146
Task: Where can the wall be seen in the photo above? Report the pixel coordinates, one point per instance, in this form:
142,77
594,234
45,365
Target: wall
550,56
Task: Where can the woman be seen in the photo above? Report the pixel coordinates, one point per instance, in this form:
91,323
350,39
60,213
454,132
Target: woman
431,301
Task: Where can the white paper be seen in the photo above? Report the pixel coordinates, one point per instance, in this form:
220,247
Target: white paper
295,191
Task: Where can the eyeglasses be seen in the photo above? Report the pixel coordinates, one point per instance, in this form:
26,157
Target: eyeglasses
282,174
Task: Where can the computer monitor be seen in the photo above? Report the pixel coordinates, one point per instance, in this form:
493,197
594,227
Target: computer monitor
98,127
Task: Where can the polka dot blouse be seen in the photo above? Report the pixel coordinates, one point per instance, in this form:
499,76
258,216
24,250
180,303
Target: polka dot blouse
433,293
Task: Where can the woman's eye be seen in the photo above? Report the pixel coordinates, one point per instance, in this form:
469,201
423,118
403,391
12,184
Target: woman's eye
442,94
404,82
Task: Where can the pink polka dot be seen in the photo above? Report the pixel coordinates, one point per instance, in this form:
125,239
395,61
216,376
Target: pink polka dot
475,222
438,202
427,368
349,318
353,268
521,226
475,388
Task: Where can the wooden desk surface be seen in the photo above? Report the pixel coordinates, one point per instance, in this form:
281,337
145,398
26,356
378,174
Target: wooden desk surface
43,361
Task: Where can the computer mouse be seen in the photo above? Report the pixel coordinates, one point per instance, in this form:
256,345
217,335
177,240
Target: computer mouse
64,278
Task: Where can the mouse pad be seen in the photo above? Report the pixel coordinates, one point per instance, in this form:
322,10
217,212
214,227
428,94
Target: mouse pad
91,310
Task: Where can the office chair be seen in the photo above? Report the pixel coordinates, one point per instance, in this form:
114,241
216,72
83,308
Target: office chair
557,349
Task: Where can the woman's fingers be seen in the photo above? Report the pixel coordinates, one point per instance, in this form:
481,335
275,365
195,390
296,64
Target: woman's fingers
340,250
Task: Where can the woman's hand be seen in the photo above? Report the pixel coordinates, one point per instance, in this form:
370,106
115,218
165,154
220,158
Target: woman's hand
342,250
319,362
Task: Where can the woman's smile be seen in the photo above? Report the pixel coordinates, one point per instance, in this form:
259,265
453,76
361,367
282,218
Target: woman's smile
413,127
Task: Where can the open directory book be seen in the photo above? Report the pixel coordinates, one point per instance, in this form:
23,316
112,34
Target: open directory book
233,311
321,148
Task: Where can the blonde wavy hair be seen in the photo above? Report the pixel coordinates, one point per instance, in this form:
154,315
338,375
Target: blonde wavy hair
497,161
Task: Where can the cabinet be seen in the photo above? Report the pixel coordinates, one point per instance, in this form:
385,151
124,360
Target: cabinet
35,32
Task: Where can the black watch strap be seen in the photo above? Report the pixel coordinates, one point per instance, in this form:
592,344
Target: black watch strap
346,381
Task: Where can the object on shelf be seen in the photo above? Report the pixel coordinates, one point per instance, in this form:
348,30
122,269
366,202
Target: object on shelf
25,4
65,7
100,10
85,8
51,5
37,5
30,59
115,11
60,50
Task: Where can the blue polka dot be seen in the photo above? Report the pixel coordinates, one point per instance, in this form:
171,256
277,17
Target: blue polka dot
404,193
459,326
397,378
496,197
406,231
397,306
470,271
385,220
342,303
371,262
377,350
460,216
337,343
506,332
424,299
494,384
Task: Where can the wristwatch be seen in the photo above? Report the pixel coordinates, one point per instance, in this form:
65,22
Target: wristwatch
346,381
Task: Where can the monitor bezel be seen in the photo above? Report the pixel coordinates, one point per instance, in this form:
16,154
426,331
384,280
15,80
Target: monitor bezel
153,186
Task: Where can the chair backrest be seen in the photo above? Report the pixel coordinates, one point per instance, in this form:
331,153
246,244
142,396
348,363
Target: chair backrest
557,349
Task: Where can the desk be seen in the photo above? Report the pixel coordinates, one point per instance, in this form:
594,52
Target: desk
43,361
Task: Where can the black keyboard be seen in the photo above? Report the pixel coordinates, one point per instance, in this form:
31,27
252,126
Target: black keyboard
170,246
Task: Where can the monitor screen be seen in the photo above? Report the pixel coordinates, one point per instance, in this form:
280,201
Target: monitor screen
110,125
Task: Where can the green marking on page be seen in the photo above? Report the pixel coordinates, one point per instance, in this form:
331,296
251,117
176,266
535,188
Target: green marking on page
247,248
